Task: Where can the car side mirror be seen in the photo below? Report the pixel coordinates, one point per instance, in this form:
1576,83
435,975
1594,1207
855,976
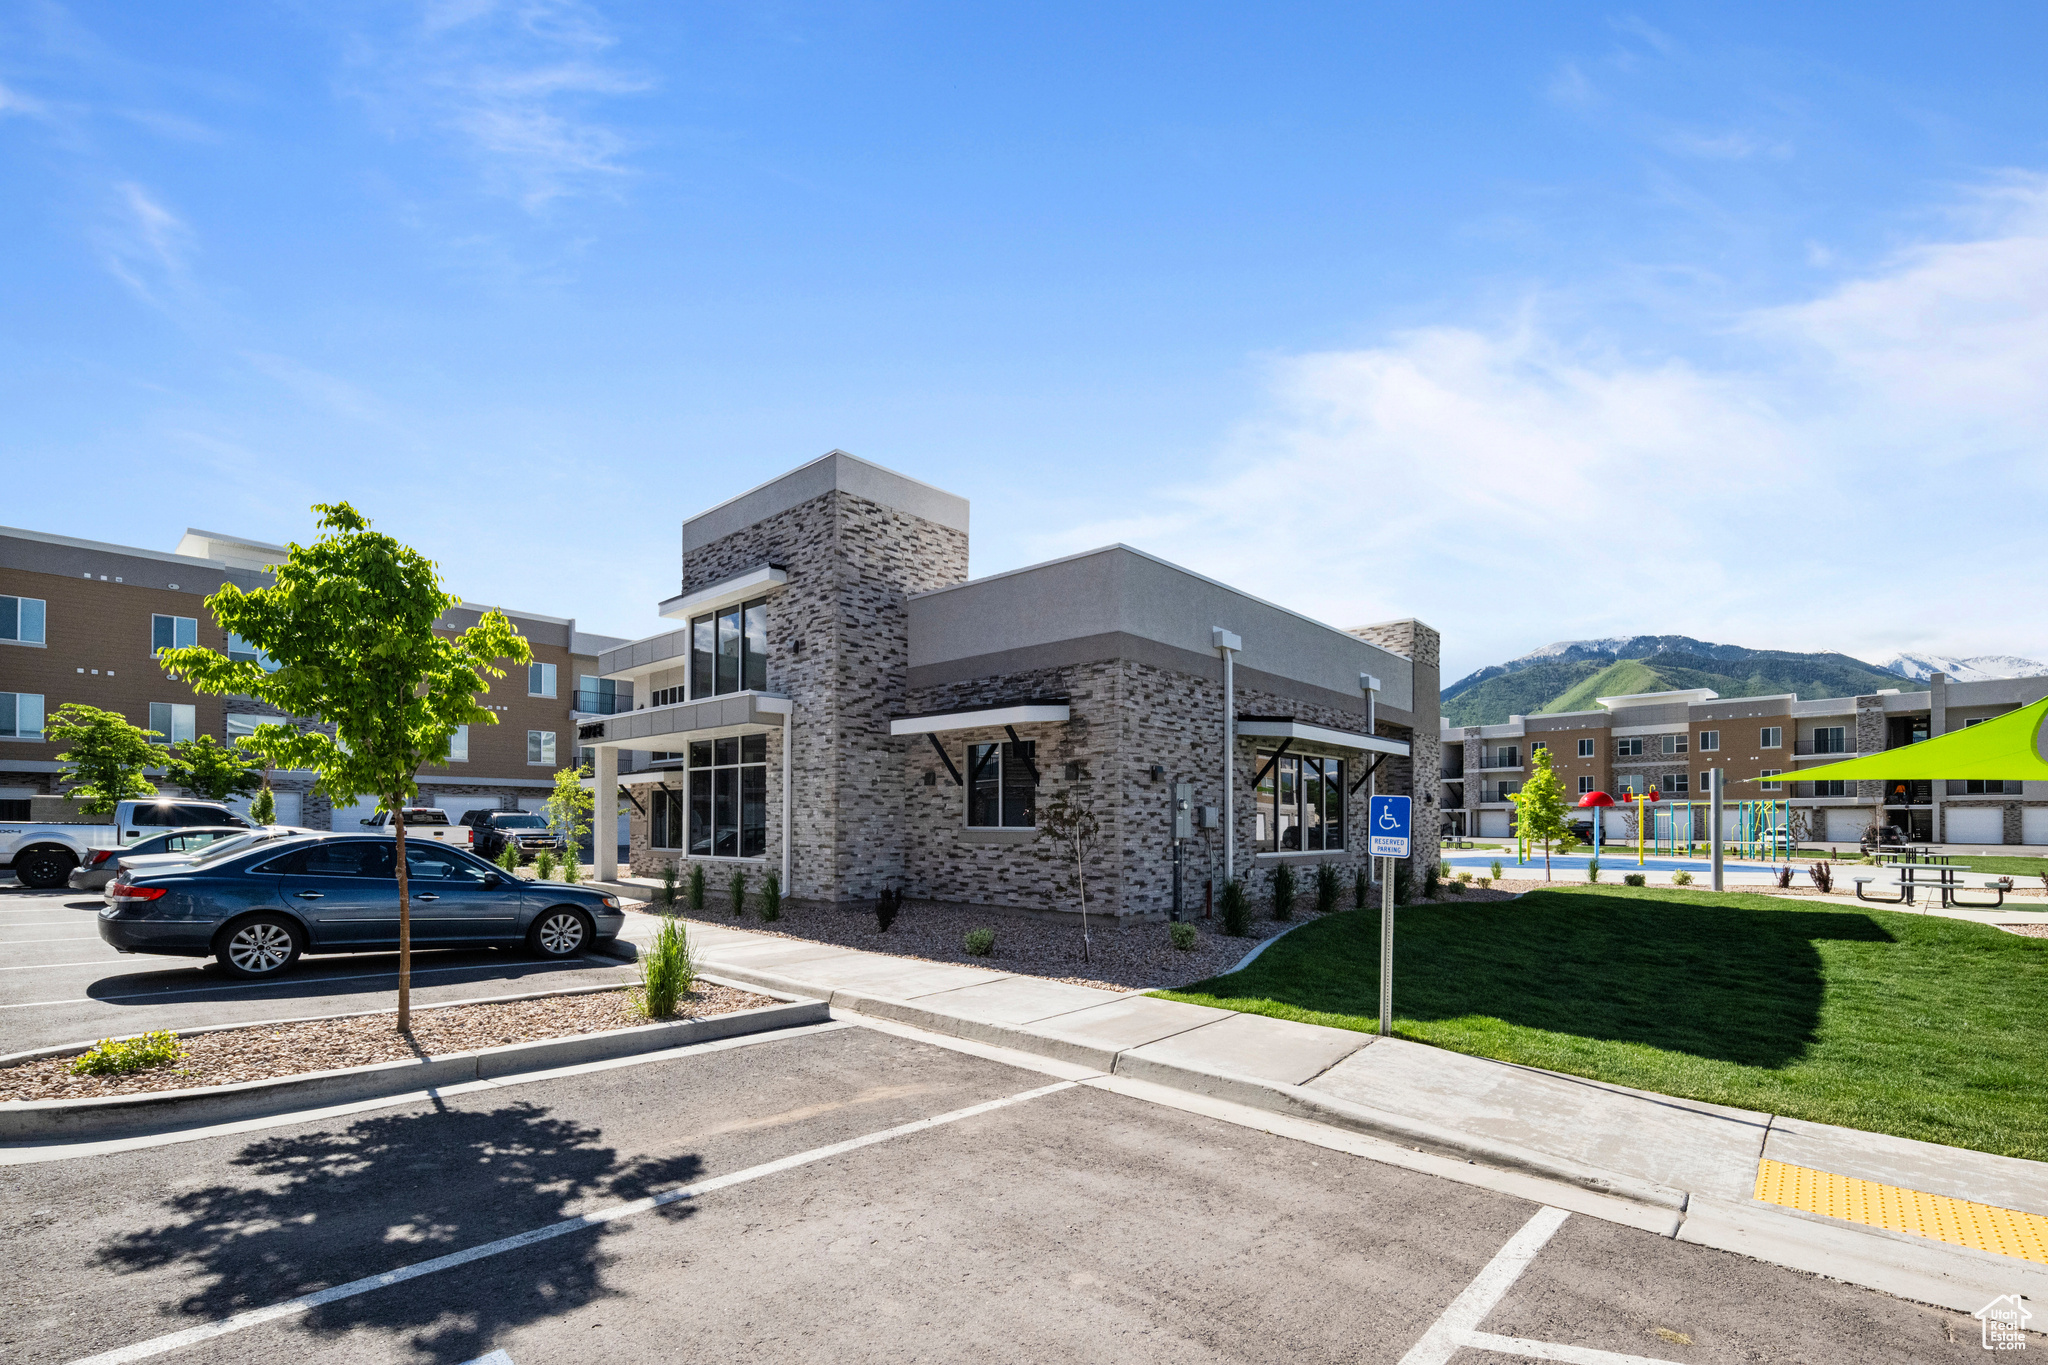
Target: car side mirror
492,879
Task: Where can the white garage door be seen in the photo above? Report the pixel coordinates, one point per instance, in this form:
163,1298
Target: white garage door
288,806
2034,824
348,819
459,806
1975,825
1847,826
1493,824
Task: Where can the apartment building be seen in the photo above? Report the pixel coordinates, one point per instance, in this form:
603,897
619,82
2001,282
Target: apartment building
81,621
1669,740
839,702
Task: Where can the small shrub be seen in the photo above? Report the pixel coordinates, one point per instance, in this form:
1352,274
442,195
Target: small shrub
769,907
1283,891
1784,876
1465,877
1633,879
1593,871
667,970
1361,889
1823,874
1404,881
886,907
1328,888
1183,936
1456,888
696,886
1496,869
508,856
1432,880
736,892
980,942
1485,882
1681,878
668,884
544,865
572,868
1235,909
1565,842
124,1056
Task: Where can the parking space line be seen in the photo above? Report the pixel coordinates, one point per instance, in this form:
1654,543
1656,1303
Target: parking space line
262,985
192,1336
76,938
48,966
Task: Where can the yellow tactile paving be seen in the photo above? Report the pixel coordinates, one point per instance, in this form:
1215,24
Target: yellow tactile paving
1986,1227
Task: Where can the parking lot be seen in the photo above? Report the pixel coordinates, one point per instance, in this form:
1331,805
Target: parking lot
853,1193
60,984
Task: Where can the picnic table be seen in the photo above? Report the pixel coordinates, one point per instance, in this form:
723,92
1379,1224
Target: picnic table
1941,878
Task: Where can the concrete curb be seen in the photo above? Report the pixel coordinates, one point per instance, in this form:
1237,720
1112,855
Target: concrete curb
1250,1091
43,1121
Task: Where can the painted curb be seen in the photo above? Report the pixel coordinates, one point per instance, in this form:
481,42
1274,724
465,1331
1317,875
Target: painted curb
43,1121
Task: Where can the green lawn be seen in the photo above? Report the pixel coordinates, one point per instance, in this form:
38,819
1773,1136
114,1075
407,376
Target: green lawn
1898,1023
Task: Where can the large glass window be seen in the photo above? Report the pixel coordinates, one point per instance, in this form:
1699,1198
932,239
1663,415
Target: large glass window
21,620
729,651
540,747
458,745
1002,785
174,724
172,632
1300,803
21,715
540,680
723,810
241,651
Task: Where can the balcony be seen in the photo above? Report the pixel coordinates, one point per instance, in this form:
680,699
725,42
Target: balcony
1804,748
1908,793
600,704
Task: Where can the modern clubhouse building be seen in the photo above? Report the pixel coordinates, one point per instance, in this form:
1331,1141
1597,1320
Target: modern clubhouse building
839,703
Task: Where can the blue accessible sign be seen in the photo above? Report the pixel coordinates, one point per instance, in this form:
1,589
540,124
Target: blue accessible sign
1387,820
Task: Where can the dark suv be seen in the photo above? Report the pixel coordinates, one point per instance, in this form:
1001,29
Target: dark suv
530,833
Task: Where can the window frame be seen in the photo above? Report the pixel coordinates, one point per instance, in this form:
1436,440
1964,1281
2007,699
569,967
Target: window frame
1770,737
458,745
1676,784
736,632
1331,779
21,613
1632,747
1589,749
546,674
1586,784
176,622
169,731
677,818
14,708
542,741
1709,742
1012,784
1763,779
1670,746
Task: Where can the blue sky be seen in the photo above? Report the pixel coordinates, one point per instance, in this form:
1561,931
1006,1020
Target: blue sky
1539,322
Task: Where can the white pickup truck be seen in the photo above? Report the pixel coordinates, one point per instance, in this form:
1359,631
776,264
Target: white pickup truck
42,855
424,822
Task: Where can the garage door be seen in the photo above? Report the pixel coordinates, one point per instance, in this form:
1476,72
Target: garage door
348,819
459,806
288,806
1847,826
2034,824
1493,824
1975,825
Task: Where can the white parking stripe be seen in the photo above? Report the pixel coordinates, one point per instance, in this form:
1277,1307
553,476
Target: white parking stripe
308,981
78,938
192,1336
48,966
1458,1328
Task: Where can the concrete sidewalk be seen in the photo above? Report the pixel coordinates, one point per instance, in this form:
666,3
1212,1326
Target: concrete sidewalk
1697,1162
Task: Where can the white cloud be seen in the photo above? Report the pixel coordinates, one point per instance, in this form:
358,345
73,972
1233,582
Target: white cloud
1733,145
14,102
146,246
1569,87
513,85
1840,486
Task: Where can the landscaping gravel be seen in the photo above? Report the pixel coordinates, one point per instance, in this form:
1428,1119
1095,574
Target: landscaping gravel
2028,930
265,1053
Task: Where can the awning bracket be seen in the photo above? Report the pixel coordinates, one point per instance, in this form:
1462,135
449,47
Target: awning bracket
945,758
1367,776
1011,731
1271,763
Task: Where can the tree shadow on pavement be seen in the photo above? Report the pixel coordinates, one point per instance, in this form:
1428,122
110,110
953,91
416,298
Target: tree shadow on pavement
321,1209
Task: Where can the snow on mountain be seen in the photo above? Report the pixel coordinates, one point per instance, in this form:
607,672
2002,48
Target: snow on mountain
1976,668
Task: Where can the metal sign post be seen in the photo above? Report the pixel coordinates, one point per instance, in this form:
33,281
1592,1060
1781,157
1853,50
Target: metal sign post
1388,819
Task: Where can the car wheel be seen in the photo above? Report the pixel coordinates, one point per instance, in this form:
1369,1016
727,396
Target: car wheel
44,868
560,933
260,946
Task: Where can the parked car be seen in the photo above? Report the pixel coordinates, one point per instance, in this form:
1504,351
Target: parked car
422,822
491,830
258,911
42,855
100,866
138,859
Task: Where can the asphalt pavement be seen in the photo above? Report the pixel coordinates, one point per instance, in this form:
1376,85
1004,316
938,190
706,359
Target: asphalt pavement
852,1194
60,984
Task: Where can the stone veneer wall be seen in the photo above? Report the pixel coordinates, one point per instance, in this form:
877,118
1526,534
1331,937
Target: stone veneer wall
839,647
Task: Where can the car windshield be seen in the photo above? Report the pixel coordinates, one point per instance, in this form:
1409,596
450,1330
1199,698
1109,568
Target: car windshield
519,822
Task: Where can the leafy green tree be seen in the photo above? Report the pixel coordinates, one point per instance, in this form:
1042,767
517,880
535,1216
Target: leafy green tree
348,625
569,808
207,768
1541,809
263,810
106,758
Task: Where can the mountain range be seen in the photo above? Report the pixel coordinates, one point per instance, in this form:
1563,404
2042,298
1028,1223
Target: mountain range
1569,675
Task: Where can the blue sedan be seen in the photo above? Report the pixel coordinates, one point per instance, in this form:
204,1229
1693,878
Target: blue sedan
257,912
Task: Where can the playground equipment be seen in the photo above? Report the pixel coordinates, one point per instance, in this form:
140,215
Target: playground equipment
1595,802
1762,829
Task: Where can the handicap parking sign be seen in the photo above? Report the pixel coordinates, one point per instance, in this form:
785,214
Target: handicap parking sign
1387,822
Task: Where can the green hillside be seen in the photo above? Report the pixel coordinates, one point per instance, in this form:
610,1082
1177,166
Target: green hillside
1552,686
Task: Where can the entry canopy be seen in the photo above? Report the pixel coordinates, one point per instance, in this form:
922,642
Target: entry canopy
2006,749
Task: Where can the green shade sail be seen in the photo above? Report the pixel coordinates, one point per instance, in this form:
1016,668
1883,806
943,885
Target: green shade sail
2006,749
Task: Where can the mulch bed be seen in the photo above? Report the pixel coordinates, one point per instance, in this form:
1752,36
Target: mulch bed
266,1053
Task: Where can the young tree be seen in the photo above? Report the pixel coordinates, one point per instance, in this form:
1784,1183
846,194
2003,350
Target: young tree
1072,829
209,769
1540,806
569,807
263,810
348,626
107,756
